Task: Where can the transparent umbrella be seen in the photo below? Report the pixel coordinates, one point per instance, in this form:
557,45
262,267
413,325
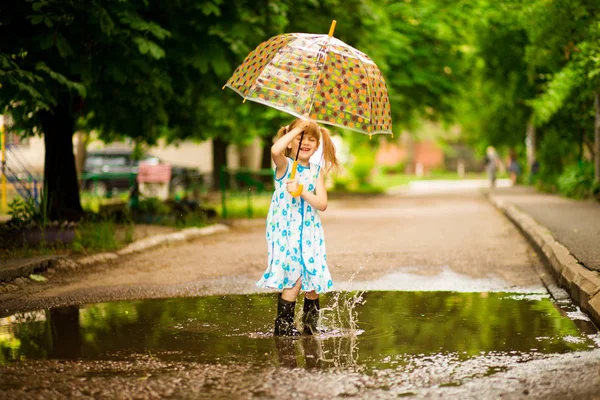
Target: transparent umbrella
319,76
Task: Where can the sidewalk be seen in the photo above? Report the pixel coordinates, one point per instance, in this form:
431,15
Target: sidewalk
24,267
566,232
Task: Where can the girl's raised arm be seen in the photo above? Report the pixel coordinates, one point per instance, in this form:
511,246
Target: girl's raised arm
278,148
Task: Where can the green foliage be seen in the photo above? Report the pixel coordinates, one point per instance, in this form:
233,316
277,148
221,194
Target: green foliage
364,161
398,168
153,206
577,180
554,152
243,205
492,107
95,236
22,212
25,213
147,70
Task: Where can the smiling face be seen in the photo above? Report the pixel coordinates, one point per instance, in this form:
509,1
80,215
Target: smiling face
310,144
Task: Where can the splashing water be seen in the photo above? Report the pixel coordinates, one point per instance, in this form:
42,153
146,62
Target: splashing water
340,317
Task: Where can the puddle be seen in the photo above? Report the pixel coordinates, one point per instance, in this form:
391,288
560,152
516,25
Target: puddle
370,331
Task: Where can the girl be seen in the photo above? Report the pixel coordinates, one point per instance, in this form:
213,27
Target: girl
295,240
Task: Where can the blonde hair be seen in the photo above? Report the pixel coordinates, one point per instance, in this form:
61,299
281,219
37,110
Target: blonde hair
314,130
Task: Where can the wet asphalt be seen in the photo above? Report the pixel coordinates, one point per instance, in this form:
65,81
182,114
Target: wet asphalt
454,308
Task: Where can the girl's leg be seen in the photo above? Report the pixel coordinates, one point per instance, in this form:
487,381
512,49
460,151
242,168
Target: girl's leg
311,308
312,295
290,294
286,304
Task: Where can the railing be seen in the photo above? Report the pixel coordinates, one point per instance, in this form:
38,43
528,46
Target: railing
17,174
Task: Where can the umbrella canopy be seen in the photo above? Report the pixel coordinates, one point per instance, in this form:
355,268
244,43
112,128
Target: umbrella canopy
318,75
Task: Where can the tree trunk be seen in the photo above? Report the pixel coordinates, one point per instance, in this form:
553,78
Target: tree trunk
219,160
83,139
597,138
531,143
61,189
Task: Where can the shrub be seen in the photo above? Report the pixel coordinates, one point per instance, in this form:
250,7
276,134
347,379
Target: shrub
398,168
577,180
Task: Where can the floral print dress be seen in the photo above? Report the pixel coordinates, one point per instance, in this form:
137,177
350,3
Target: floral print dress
295,239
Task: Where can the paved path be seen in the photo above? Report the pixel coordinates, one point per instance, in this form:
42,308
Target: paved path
459,241
574,223
451,241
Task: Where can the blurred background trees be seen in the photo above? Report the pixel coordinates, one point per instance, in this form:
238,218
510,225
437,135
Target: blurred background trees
516,74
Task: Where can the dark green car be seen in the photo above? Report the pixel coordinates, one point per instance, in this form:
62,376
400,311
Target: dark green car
109,170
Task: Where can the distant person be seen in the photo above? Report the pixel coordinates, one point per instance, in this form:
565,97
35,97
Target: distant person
491,165
514,168
534,170
296,243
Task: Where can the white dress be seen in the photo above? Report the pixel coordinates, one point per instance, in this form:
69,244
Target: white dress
295,238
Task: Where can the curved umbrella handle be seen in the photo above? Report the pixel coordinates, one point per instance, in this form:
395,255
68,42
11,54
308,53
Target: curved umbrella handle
298,192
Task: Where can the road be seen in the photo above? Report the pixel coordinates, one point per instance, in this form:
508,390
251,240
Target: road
441,296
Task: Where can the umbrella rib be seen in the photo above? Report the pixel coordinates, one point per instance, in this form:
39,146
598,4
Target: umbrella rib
245,96
318,78
368,87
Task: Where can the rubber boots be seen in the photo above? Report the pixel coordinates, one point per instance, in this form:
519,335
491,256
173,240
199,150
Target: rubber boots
310,317
284,323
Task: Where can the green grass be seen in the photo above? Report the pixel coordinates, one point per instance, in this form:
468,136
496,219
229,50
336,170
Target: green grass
91,202
387,181
237,205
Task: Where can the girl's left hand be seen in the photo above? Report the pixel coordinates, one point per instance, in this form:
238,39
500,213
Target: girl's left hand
292,185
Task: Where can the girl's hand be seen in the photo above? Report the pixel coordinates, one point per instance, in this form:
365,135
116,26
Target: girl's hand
303,123
292,185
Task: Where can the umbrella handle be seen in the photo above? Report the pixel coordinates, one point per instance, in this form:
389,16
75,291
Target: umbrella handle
298,192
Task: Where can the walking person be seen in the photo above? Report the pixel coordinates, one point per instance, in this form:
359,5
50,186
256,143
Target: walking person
492,163
514,168
297,257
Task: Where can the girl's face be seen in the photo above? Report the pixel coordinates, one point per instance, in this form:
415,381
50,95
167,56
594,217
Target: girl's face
310,144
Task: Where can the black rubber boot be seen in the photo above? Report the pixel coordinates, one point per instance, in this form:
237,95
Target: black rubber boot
284,323
310,317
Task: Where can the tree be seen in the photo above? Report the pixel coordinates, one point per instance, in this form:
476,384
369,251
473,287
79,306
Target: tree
492,107
131,68
65,59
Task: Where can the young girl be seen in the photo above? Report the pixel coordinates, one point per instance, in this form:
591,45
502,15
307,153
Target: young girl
295,239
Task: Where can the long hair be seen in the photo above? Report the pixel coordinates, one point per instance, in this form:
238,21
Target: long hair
331,163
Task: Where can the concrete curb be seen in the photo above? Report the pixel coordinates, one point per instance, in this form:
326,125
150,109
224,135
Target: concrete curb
582,284
154,241
24,269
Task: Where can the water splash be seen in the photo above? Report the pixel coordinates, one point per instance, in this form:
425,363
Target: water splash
340,317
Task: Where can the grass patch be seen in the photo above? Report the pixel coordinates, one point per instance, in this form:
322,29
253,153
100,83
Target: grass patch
100,236
238,205
387,181
91,202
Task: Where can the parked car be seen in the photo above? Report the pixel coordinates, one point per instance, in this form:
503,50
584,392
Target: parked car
109,170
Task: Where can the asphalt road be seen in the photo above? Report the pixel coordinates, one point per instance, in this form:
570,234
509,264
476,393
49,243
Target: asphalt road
582,233
409,242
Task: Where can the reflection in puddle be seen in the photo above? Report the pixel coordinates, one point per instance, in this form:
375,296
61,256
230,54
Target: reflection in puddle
370,331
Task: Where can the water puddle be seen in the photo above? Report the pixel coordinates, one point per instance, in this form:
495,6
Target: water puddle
369,331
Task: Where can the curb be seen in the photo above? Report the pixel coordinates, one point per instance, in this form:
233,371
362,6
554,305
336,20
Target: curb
582,284
43,263
28,267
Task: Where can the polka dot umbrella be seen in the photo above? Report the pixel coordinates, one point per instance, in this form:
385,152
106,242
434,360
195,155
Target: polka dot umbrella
319,76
